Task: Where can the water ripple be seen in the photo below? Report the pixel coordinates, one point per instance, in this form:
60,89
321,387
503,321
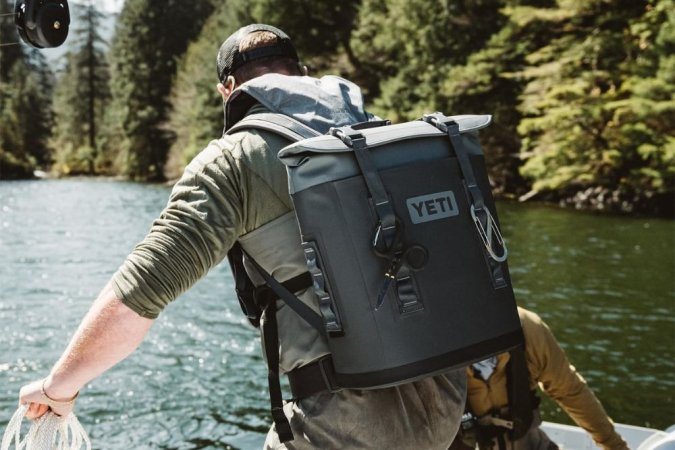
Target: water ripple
199,380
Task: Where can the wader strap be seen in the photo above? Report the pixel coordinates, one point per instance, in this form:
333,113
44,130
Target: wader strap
271,338
280,124
313,378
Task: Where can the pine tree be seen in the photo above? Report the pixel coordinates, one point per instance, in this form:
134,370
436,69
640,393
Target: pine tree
589,136
81,96
25,116
150,37
406,47
196,107
487,84
320,32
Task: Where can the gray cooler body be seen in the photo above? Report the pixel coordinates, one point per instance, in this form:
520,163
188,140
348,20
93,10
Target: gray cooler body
455,307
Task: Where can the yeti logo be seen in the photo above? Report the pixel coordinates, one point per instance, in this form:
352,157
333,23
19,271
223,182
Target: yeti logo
426,208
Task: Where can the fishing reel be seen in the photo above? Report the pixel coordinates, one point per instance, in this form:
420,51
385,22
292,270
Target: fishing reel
42,23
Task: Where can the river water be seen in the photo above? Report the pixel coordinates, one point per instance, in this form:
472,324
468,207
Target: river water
605,285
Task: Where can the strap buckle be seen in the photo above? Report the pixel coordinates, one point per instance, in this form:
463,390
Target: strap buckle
439,120
346,134
328,374
496,421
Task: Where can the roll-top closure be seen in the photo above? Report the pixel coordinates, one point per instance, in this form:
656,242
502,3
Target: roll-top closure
381,136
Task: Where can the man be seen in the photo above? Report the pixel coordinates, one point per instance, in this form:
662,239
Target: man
236,190
502,401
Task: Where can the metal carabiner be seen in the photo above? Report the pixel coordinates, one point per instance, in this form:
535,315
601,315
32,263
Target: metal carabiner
486,235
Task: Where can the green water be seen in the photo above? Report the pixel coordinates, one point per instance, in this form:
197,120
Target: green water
605,285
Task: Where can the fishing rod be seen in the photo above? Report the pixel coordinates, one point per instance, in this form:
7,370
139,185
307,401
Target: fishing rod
40,23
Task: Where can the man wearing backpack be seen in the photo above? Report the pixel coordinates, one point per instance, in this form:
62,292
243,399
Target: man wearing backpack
235,190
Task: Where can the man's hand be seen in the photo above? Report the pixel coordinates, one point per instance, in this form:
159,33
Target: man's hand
108,333
35,396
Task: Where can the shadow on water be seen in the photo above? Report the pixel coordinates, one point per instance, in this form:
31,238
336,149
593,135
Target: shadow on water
604,285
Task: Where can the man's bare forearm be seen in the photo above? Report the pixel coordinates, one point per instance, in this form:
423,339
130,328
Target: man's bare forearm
109,332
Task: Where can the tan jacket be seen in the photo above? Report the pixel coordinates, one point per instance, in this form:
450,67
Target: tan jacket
551,371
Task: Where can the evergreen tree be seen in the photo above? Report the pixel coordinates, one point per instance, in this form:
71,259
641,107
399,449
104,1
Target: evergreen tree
421,60
320,32
81,96
196,107
9,51
25,116
406,47
150,37
590,134
487,84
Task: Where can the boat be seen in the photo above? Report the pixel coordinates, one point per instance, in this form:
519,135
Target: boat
570,437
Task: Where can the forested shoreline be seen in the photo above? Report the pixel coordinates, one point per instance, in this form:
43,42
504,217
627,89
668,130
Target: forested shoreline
581,91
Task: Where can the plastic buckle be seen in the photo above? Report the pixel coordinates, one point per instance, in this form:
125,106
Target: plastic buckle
327,371
439,120
382,234
486,234
346,134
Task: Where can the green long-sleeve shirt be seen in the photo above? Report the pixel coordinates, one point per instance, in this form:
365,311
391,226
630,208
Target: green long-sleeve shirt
231,188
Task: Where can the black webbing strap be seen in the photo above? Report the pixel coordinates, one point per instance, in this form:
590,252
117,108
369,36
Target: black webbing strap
465,166
383,207
271,339
248,293
298,283
313,378
290,299
451,128
478,207
522,400
478,202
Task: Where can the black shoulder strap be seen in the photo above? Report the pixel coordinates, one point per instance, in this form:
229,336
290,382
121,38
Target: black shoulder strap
256,303
280,124
260,302
243,285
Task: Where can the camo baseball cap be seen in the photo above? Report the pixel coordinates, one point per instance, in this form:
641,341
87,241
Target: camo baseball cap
230,58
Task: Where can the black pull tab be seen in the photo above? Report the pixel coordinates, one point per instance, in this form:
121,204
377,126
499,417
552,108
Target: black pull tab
389,276
414,257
